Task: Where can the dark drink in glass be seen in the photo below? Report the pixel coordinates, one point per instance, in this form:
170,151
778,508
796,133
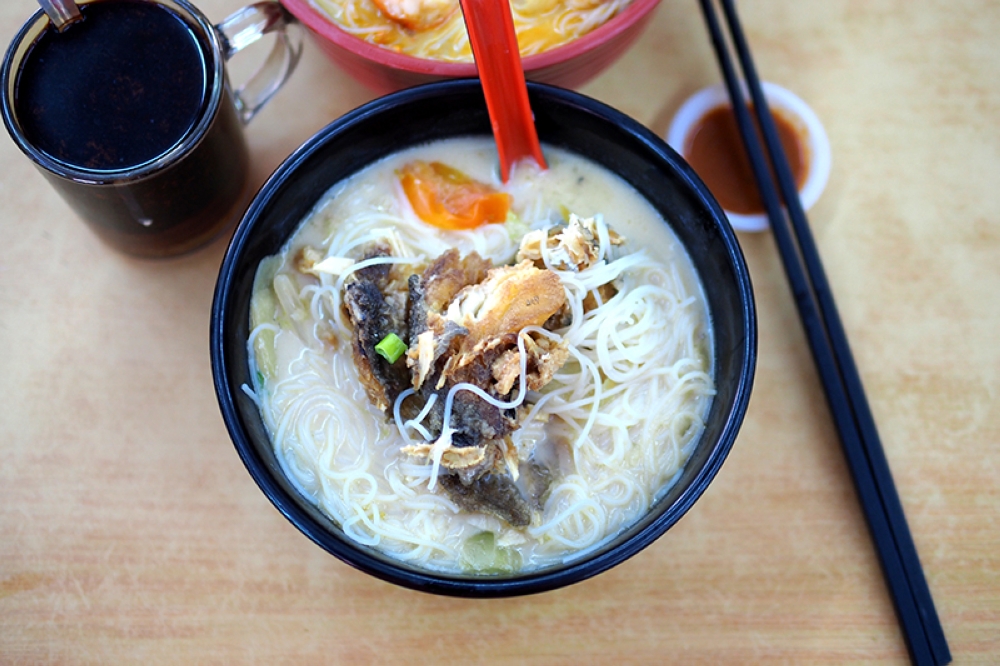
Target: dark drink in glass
129,114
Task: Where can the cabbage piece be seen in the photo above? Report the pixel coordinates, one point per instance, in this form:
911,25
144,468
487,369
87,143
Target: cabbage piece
265,354
481,554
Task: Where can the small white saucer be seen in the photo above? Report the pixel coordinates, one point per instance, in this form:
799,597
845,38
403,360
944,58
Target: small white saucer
817,144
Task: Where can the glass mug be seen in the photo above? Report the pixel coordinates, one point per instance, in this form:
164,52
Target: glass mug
129,114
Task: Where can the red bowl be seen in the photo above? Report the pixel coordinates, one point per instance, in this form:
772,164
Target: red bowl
568,66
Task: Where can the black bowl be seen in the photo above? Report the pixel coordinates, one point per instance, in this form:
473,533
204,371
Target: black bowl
457,108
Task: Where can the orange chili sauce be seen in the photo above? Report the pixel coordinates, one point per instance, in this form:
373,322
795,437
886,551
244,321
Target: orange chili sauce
715,151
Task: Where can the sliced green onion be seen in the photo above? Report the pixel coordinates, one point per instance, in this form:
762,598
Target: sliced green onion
391,348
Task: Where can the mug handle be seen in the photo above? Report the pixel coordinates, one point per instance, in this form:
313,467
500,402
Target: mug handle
246,26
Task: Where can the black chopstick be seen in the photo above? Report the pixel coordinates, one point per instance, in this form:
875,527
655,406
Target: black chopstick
852,416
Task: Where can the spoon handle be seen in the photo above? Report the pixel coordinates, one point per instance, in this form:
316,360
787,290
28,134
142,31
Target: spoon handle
494,47
61,12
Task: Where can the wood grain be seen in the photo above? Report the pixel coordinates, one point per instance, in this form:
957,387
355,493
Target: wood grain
131,533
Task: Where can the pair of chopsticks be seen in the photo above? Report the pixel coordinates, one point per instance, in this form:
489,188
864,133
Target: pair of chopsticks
845,395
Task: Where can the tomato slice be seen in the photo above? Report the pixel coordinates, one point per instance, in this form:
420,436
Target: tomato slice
448,199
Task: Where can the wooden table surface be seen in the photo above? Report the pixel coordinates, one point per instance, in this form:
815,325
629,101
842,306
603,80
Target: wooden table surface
130,531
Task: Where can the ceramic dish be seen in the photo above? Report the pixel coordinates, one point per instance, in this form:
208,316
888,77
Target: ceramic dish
806,123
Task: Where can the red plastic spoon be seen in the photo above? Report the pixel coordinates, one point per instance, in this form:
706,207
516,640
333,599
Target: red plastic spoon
494,47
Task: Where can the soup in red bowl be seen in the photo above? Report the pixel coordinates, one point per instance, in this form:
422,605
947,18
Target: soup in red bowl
389,67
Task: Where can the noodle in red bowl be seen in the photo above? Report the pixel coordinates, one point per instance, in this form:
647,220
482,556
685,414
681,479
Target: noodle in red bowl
480,388
583,49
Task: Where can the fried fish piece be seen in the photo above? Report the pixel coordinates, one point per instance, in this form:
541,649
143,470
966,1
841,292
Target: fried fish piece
493,494
572,247
376,306
430,292
463,320
544,358
509,299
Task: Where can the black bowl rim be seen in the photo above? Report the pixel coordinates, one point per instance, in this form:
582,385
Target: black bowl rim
439,582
